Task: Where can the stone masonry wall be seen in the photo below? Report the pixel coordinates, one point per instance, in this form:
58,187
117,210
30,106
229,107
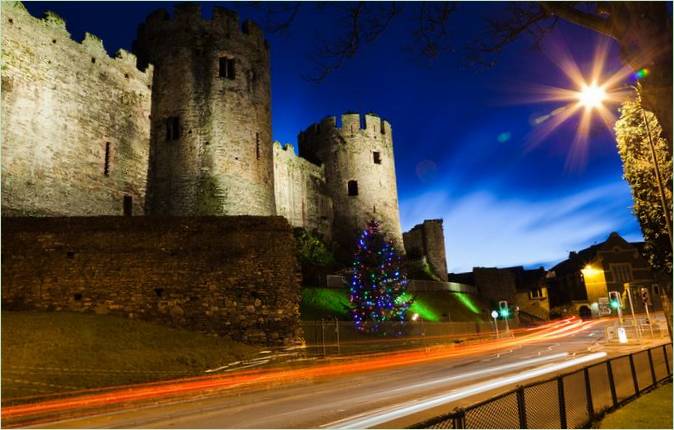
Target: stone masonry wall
64,106
357,150
301,194
428,240
235,276
211,147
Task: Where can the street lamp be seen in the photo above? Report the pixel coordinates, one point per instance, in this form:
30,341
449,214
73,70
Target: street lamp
592,97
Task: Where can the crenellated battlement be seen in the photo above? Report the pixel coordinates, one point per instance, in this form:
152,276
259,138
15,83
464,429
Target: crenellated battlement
17,16
188,19
349,124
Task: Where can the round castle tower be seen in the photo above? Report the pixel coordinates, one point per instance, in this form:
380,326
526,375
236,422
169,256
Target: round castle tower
210,148
360,173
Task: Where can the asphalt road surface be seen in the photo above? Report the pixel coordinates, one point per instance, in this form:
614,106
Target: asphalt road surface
389,398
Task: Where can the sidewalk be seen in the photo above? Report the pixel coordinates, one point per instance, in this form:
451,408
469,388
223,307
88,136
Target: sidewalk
650,411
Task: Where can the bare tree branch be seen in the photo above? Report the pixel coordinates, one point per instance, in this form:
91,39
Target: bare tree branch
568,12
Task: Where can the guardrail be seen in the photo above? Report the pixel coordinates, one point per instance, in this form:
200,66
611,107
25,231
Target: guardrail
571,400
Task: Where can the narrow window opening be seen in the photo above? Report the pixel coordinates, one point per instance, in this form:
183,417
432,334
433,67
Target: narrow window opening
252,81
70,254
381,127
126,75
362,122
11,21
77,297
353,188
106,167
226,68
257,146
128,205
53,41
159,292
376,156
93,60
173,128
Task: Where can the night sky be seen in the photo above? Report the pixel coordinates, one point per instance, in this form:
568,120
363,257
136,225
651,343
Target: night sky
462,137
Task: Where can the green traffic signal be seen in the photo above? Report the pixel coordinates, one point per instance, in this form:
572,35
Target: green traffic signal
504,313
615,304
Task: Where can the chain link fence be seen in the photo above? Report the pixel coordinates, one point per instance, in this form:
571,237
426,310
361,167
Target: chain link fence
571,400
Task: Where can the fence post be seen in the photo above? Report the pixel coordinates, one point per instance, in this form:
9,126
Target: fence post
664,351
588,393
459,419
634,375
611,383
650,361
562,403
521,408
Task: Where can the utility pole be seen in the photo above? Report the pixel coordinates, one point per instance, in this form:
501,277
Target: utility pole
658,177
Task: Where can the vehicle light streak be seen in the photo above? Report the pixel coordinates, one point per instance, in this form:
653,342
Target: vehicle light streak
413,407
362,363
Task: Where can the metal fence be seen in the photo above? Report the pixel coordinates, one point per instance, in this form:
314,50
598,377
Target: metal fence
571,400
330,337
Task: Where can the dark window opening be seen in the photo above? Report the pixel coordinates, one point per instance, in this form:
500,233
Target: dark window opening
226,69
93,60
53,41
126,75
106,166
11,21
70,254
128,205
173,128
77,297
353,188
159,292
257,146
376,156
383,131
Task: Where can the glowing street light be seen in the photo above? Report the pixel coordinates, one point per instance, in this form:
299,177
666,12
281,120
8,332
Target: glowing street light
592,96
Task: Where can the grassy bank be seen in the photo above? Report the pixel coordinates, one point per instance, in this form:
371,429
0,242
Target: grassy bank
328,303
47,352
650,411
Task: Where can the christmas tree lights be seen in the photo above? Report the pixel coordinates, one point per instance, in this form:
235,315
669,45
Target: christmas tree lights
378,284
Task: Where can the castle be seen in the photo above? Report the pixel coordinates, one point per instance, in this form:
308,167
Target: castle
180,127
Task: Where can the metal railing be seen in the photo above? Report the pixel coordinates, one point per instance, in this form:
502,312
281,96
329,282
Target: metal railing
571,400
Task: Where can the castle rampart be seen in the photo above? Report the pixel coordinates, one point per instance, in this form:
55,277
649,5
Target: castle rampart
357,155
428,240
235,276
301,193
211,149
75,135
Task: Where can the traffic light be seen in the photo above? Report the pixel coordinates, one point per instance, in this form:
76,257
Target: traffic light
503,309
614,300
645,296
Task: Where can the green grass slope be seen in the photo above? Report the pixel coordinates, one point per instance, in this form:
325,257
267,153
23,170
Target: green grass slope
47,352
650,411
433,306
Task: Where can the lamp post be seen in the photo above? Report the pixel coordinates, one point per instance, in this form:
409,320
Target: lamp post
593,96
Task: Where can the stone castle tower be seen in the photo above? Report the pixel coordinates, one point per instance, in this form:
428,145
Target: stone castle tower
210,138
357,155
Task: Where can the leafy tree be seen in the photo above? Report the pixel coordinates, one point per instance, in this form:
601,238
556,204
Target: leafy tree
378,284
642,30
634,149
314,257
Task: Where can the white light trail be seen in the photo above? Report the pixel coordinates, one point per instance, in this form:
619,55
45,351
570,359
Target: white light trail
486,371
399,411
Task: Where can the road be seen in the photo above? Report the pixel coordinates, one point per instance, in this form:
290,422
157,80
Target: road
387,397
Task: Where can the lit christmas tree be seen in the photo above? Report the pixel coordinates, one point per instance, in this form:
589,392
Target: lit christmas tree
378,285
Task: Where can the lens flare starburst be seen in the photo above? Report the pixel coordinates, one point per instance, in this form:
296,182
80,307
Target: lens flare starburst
593,94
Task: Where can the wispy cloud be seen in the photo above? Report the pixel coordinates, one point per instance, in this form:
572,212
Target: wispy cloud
482,229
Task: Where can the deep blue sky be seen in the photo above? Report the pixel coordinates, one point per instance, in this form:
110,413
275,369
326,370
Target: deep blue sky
502,205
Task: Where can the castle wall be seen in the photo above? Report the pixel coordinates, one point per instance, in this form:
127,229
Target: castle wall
233,276
428,240
301,193
211,148
63,104
360,149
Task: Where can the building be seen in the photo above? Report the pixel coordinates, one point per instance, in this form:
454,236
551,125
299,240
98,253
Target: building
180,127
427,241
525,290
579,282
